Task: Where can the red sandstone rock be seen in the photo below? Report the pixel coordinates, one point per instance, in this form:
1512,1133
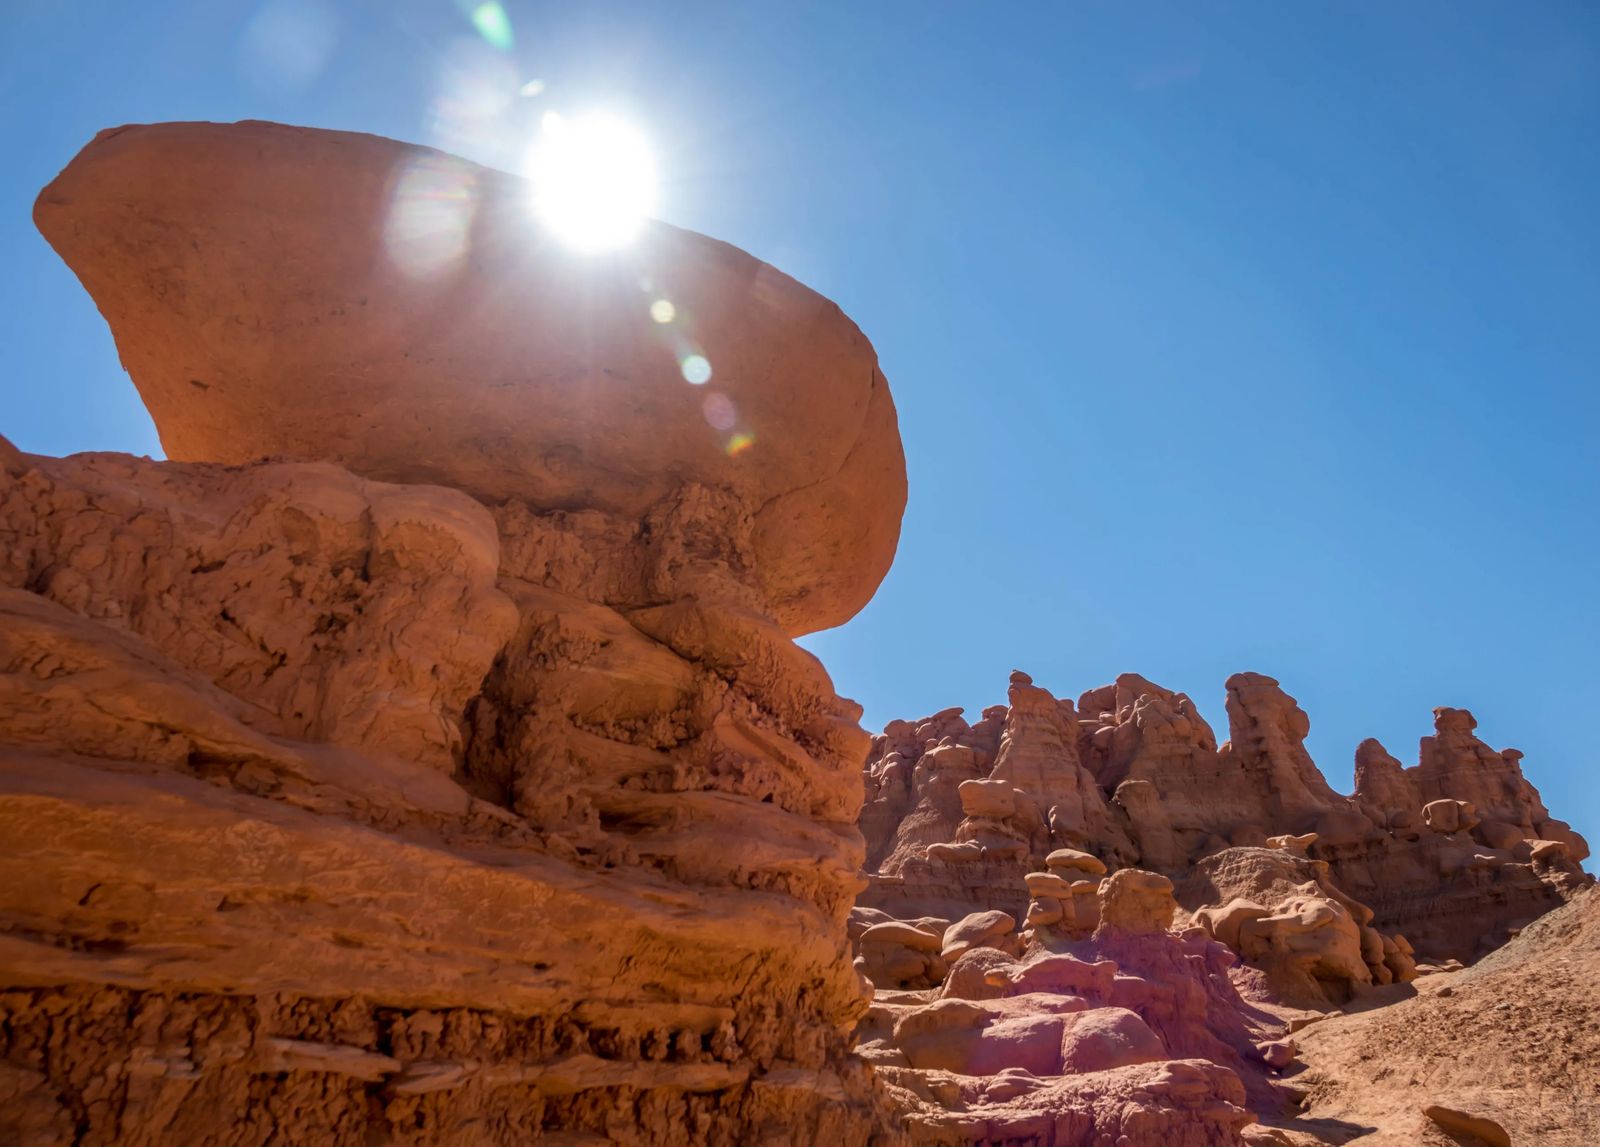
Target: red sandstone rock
453,778
1136,902
502,804
269,298
1291,894
1176,799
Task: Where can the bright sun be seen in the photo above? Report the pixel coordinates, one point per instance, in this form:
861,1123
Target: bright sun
594,180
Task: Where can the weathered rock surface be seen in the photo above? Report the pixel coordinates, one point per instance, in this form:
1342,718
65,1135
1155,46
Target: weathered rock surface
422,757
1452,854
1180,899
301,294
450,777
1134,1034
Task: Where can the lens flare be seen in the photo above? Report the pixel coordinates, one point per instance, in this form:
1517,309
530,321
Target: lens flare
662,311
739,443
696,369
719,412
594,180
492,23
287,45
474,111
429,223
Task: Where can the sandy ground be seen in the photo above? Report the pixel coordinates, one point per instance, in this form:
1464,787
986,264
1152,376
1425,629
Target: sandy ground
1515,1038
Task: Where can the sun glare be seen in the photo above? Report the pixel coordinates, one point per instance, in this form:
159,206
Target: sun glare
594,180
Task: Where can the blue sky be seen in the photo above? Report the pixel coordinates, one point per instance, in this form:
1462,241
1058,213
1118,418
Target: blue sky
1224,336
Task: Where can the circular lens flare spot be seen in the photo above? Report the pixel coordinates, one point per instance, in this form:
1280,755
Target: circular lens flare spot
739,443
719,411
429,224
594,180
662,311
696,369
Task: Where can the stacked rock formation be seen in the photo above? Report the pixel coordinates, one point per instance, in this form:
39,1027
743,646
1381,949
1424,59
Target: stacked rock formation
421,755
1111,1027
1453,853
1176,898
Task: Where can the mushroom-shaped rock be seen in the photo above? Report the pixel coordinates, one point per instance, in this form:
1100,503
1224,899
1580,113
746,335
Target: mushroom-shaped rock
976,930
315,295
1069,861
1448,816
987,798
1136,901
1048,884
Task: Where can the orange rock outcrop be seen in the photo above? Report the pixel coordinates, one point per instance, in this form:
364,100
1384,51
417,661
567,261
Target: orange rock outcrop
1149,907
420,755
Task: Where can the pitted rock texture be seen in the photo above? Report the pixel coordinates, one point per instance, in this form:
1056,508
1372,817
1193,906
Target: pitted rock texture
450,776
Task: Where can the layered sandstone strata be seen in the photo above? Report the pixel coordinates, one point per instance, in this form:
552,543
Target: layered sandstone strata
421,756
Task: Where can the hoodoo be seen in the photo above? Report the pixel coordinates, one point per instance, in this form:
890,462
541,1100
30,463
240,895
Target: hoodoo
421,755
1158,913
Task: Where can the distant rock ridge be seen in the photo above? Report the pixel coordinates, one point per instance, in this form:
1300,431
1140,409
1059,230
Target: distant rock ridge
1088,923
1455,852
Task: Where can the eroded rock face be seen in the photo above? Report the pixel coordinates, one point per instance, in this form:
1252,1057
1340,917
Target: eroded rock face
1451,855
1193,896
1133,1034
453,778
